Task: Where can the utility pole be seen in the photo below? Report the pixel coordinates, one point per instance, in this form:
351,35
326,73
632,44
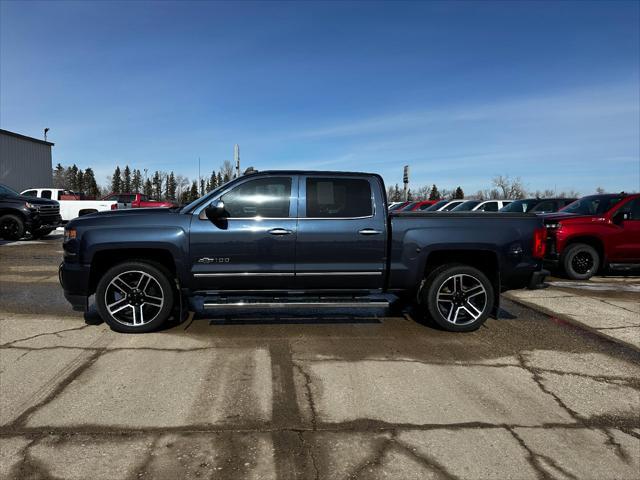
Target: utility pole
198,172
405,180
236,158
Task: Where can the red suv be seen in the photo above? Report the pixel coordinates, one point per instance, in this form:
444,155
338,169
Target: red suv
594,233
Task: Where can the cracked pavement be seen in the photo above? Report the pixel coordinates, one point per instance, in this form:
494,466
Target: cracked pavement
316,398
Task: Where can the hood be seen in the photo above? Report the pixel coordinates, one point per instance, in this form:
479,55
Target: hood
129,216
34,200
570,218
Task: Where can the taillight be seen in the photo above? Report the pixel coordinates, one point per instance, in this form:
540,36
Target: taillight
114,206
539,242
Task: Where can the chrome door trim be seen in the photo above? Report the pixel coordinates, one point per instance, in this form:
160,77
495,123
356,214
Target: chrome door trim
246,274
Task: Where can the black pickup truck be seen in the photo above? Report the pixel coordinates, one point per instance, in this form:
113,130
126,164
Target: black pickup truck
283,240
20,214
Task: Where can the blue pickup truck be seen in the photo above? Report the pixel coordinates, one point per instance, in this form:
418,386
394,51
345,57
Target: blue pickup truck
305,240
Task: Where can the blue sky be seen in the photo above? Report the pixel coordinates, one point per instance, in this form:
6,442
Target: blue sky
460,91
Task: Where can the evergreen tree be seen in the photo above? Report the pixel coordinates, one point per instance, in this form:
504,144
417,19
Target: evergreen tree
409,196
116,181
458,194
434,194
79,186
126,180
171,186
213,181
148,188
202,188
90,185
184,197
193,194
58,176
136,181
70,178
157,185
219,180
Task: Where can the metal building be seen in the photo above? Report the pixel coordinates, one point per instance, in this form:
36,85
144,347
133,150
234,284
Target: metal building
25,162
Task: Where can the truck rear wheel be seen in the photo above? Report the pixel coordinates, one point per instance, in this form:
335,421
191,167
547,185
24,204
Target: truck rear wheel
459,298
135,297
580,261
11,227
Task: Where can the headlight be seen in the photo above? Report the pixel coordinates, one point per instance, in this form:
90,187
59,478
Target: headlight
69,234
30,205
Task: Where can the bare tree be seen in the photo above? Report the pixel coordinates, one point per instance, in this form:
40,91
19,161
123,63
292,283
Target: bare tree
508,187
226,170
182,185
600,191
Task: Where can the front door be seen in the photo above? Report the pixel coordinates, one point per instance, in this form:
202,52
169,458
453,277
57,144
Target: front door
341,235
253,248
625,241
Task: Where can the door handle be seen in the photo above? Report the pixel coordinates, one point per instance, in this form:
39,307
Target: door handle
280,231
369,231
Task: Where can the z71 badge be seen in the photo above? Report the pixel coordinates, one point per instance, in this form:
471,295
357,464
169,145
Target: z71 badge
213,260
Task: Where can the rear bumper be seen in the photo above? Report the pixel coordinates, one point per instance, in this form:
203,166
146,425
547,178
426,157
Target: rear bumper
74,279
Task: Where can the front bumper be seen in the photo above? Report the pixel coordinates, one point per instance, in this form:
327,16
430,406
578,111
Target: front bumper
44,223
74,279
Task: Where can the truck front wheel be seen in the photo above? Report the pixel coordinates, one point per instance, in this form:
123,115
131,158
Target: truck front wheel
11,227
459,298
135,297
580,261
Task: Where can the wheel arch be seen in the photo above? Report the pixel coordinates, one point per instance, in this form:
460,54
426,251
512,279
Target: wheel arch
103,260
484,260
592,241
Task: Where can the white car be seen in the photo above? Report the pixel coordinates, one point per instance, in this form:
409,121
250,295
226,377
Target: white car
481,205
70,209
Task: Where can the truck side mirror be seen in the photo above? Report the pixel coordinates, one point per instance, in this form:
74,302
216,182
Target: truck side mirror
620,217
214,211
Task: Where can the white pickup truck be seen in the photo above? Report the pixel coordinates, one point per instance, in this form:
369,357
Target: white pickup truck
69,207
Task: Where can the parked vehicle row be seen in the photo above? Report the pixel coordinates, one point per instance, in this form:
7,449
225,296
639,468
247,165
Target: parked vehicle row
69,209
21,214
528,205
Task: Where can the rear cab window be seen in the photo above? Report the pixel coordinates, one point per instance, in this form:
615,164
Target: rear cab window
338,198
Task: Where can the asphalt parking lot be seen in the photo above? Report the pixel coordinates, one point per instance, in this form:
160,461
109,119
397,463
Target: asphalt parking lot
309,398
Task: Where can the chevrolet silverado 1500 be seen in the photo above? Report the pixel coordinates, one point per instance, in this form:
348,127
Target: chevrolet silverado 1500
297,240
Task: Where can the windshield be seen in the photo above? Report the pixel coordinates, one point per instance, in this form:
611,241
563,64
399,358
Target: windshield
7,191
593,205
466,206
436,206
207,197
451,206
520,206
408,207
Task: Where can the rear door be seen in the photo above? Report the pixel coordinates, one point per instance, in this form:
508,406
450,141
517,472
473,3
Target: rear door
254,247
341,233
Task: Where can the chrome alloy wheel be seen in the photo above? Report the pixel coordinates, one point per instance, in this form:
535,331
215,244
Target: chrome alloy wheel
134,298
461,299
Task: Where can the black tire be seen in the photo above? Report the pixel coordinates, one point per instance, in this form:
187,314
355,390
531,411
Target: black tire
466,310
580,261
42,233
11,227
111,297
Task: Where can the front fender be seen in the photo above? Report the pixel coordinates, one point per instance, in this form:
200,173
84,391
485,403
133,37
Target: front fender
175,240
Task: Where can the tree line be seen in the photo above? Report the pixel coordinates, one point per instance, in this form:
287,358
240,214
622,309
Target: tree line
159,185
502,187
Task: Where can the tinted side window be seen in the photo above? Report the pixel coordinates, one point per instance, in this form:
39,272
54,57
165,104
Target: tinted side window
30,193
546,206
490,207
46,194
338,198
126,198
262,197
633,209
